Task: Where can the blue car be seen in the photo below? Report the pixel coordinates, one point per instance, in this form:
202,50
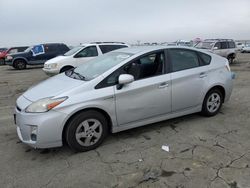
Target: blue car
36,55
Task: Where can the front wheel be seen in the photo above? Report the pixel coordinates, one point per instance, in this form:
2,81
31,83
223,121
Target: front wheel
86,131
230,59
212,103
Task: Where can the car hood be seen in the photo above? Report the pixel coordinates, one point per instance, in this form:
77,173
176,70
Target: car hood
51,87
56,59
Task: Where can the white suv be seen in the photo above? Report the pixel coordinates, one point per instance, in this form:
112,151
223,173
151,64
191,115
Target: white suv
223,47
80,55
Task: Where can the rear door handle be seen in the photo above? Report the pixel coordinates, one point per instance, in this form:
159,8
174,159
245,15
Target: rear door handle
163,85
203,74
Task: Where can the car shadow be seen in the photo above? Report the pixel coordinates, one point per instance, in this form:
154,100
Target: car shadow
114,137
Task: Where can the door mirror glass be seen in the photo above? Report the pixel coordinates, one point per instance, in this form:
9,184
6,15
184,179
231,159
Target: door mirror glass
125,79
215,48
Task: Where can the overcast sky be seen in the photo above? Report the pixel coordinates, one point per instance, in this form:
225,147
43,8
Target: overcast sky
27,22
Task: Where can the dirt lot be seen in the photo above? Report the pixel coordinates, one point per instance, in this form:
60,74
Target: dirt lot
204,152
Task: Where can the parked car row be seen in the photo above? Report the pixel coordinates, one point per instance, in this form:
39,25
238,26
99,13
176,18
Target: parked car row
223,47
8,51
80,55
35,55
58,57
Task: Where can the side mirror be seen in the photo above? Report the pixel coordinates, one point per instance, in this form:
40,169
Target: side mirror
215,48
124,79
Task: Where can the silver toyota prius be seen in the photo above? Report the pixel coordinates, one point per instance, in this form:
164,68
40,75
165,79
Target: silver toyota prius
120,90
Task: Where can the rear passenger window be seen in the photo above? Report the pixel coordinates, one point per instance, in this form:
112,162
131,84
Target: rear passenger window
109,48
206,59
53,48
183,59
231,45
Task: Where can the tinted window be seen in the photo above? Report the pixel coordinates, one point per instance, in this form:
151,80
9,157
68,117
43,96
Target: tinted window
90,51
231,44
224,45
218,45
144,67
206,59
63,48
183,59
108,48
53,48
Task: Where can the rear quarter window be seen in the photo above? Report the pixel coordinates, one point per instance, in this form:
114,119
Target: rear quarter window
231,45
205,59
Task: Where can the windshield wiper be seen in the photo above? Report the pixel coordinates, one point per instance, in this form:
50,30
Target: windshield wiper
72,72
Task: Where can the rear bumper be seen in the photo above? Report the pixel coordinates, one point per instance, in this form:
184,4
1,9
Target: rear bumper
229,86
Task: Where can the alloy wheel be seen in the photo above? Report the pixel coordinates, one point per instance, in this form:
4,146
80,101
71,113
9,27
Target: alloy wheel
88,132
213,102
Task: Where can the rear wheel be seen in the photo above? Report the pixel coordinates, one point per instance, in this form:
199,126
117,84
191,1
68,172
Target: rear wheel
230,58
19,64
212,103
86,131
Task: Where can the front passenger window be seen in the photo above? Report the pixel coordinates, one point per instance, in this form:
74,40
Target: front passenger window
90,51
183,59
146,66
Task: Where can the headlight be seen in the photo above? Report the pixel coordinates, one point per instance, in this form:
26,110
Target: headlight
9,58
44,105
50,66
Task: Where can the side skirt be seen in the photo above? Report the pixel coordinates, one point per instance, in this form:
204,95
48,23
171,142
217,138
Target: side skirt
155,119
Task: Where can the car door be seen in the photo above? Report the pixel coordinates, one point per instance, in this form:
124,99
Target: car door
85,55
188,77
222,48
37,54
149,95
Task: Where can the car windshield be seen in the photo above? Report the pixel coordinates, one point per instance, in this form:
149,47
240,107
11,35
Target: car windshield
73,51
97,66
205,45
28,49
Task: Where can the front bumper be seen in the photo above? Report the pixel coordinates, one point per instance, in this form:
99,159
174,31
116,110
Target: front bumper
51,72
48,128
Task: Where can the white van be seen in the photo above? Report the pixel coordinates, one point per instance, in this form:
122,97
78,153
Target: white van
79,55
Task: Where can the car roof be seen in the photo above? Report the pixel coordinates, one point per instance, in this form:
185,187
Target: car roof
146,49
104,43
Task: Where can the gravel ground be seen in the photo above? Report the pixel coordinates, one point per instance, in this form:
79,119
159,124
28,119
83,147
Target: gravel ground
204,152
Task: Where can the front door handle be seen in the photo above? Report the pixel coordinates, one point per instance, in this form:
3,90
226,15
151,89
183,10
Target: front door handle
163,85
203,74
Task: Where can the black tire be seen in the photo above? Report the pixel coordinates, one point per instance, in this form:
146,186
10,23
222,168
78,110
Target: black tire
19,64
75,124
66,69
230,58
206,110
2,62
